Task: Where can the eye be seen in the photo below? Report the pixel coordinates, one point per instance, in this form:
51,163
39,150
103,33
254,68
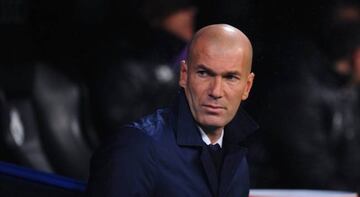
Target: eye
232,77
202,73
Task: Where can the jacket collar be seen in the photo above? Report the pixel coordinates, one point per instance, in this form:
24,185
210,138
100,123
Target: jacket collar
186,128
240,128
187,132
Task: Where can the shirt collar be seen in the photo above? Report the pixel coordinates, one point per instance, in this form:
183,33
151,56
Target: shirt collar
206,139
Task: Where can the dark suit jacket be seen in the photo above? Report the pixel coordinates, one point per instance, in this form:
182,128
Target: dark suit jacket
163,155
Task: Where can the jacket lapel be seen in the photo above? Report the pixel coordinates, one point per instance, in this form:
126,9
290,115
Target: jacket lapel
230,165
210,170
236,133
187,134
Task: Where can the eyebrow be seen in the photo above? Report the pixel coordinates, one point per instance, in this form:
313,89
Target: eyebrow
212,72
207,69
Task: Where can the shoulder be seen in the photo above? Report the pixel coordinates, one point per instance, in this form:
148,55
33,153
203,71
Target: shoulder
153,125
123,144
128,157
141,133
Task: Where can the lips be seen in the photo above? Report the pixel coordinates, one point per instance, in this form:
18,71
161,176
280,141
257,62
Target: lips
213,108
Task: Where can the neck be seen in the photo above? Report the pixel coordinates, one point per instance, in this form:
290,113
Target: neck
213,133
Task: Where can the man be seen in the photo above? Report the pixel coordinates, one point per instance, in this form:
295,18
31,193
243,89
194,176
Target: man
166,153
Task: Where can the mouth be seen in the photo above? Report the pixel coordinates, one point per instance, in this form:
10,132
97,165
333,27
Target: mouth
214,109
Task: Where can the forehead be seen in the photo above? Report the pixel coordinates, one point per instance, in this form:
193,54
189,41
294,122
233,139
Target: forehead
219,58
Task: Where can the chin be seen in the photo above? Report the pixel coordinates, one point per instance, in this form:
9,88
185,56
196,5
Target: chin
213,122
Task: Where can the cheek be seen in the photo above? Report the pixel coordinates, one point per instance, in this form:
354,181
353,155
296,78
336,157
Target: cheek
235,95
235,90
197,86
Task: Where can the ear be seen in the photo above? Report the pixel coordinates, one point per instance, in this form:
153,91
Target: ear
183,74
248,86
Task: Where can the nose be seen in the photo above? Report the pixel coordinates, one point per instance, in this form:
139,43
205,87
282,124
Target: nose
216,89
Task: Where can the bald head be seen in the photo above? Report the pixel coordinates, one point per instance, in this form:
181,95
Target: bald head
217,76
221,38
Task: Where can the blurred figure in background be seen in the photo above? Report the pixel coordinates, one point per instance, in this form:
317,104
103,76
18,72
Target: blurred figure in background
141,65
317,135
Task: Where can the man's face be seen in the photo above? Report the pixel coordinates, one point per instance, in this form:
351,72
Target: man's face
215,82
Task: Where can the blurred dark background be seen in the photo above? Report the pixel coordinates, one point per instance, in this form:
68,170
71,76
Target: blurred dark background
72,71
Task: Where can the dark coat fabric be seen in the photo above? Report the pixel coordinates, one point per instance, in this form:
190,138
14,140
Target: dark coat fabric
163,154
